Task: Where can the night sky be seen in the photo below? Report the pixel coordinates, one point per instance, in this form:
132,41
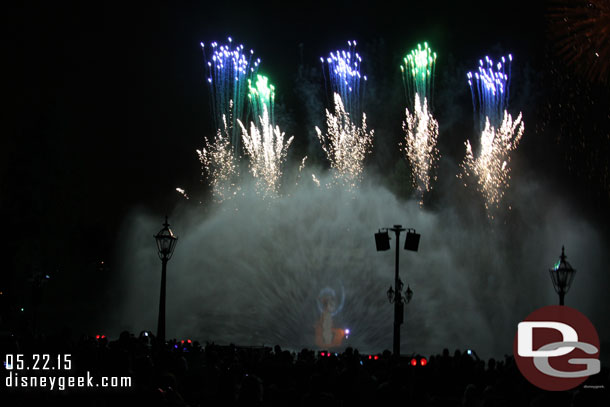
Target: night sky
106,103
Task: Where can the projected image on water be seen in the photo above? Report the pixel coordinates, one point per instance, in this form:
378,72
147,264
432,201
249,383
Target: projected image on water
328,335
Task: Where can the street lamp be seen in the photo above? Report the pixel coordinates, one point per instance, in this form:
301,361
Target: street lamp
562,275
395,296
166,242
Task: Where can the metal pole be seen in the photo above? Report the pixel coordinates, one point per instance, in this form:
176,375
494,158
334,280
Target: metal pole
396,344
161,324
398,296
561,295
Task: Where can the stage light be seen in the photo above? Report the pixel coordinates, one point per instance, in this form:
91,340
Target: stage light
413,362
412,240
423,361
382,241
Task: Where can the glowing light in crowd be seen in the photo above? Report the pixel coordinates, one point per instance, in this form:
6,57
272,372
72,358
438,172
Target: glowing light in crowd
220,165
491,166
266,148
228,71
421,134
345,144
343,67
489,87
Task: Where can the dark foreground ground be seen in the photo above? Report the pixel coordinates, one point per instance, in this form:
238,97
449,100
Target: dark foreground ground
186,373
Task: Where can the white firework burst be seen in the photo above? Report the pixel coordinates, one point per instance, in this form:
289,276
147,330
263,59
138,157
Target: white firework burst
267,149
421,135
345,144
491,167
220,165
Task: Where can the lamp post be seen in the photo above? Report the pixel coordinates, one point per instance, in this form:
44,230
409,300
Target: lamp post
166,242
562,275
395,296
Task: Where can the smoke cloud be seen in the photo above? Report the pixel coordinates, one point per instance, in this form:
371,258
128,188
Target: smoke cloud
250,270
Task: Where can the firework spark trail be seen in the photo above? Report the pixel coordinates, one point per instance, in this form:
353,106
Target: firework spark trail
345,144
220,165
499,133
420,145
491,167
418,72
261,96
267,150
489,87
182,192
228,71
344,74
420,127
579,29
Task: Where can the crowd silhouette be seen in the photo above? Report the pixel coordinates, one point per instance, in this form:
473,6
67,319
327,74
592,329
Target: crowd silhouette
187,373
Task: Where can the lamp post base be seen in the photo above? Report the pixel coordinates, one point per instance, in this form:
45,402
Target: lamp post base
161,322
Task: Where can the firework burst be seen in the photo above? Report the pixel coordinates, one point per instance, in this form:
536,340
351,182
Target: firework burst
580,30
267,149
420,145
345,144
229,71
418,72
261,96
220,165
489,87
491,166
420,127
343,67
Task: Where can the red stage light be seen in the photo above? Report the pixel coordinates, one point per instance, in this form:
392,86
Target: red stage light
423,362
413,362
376,357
